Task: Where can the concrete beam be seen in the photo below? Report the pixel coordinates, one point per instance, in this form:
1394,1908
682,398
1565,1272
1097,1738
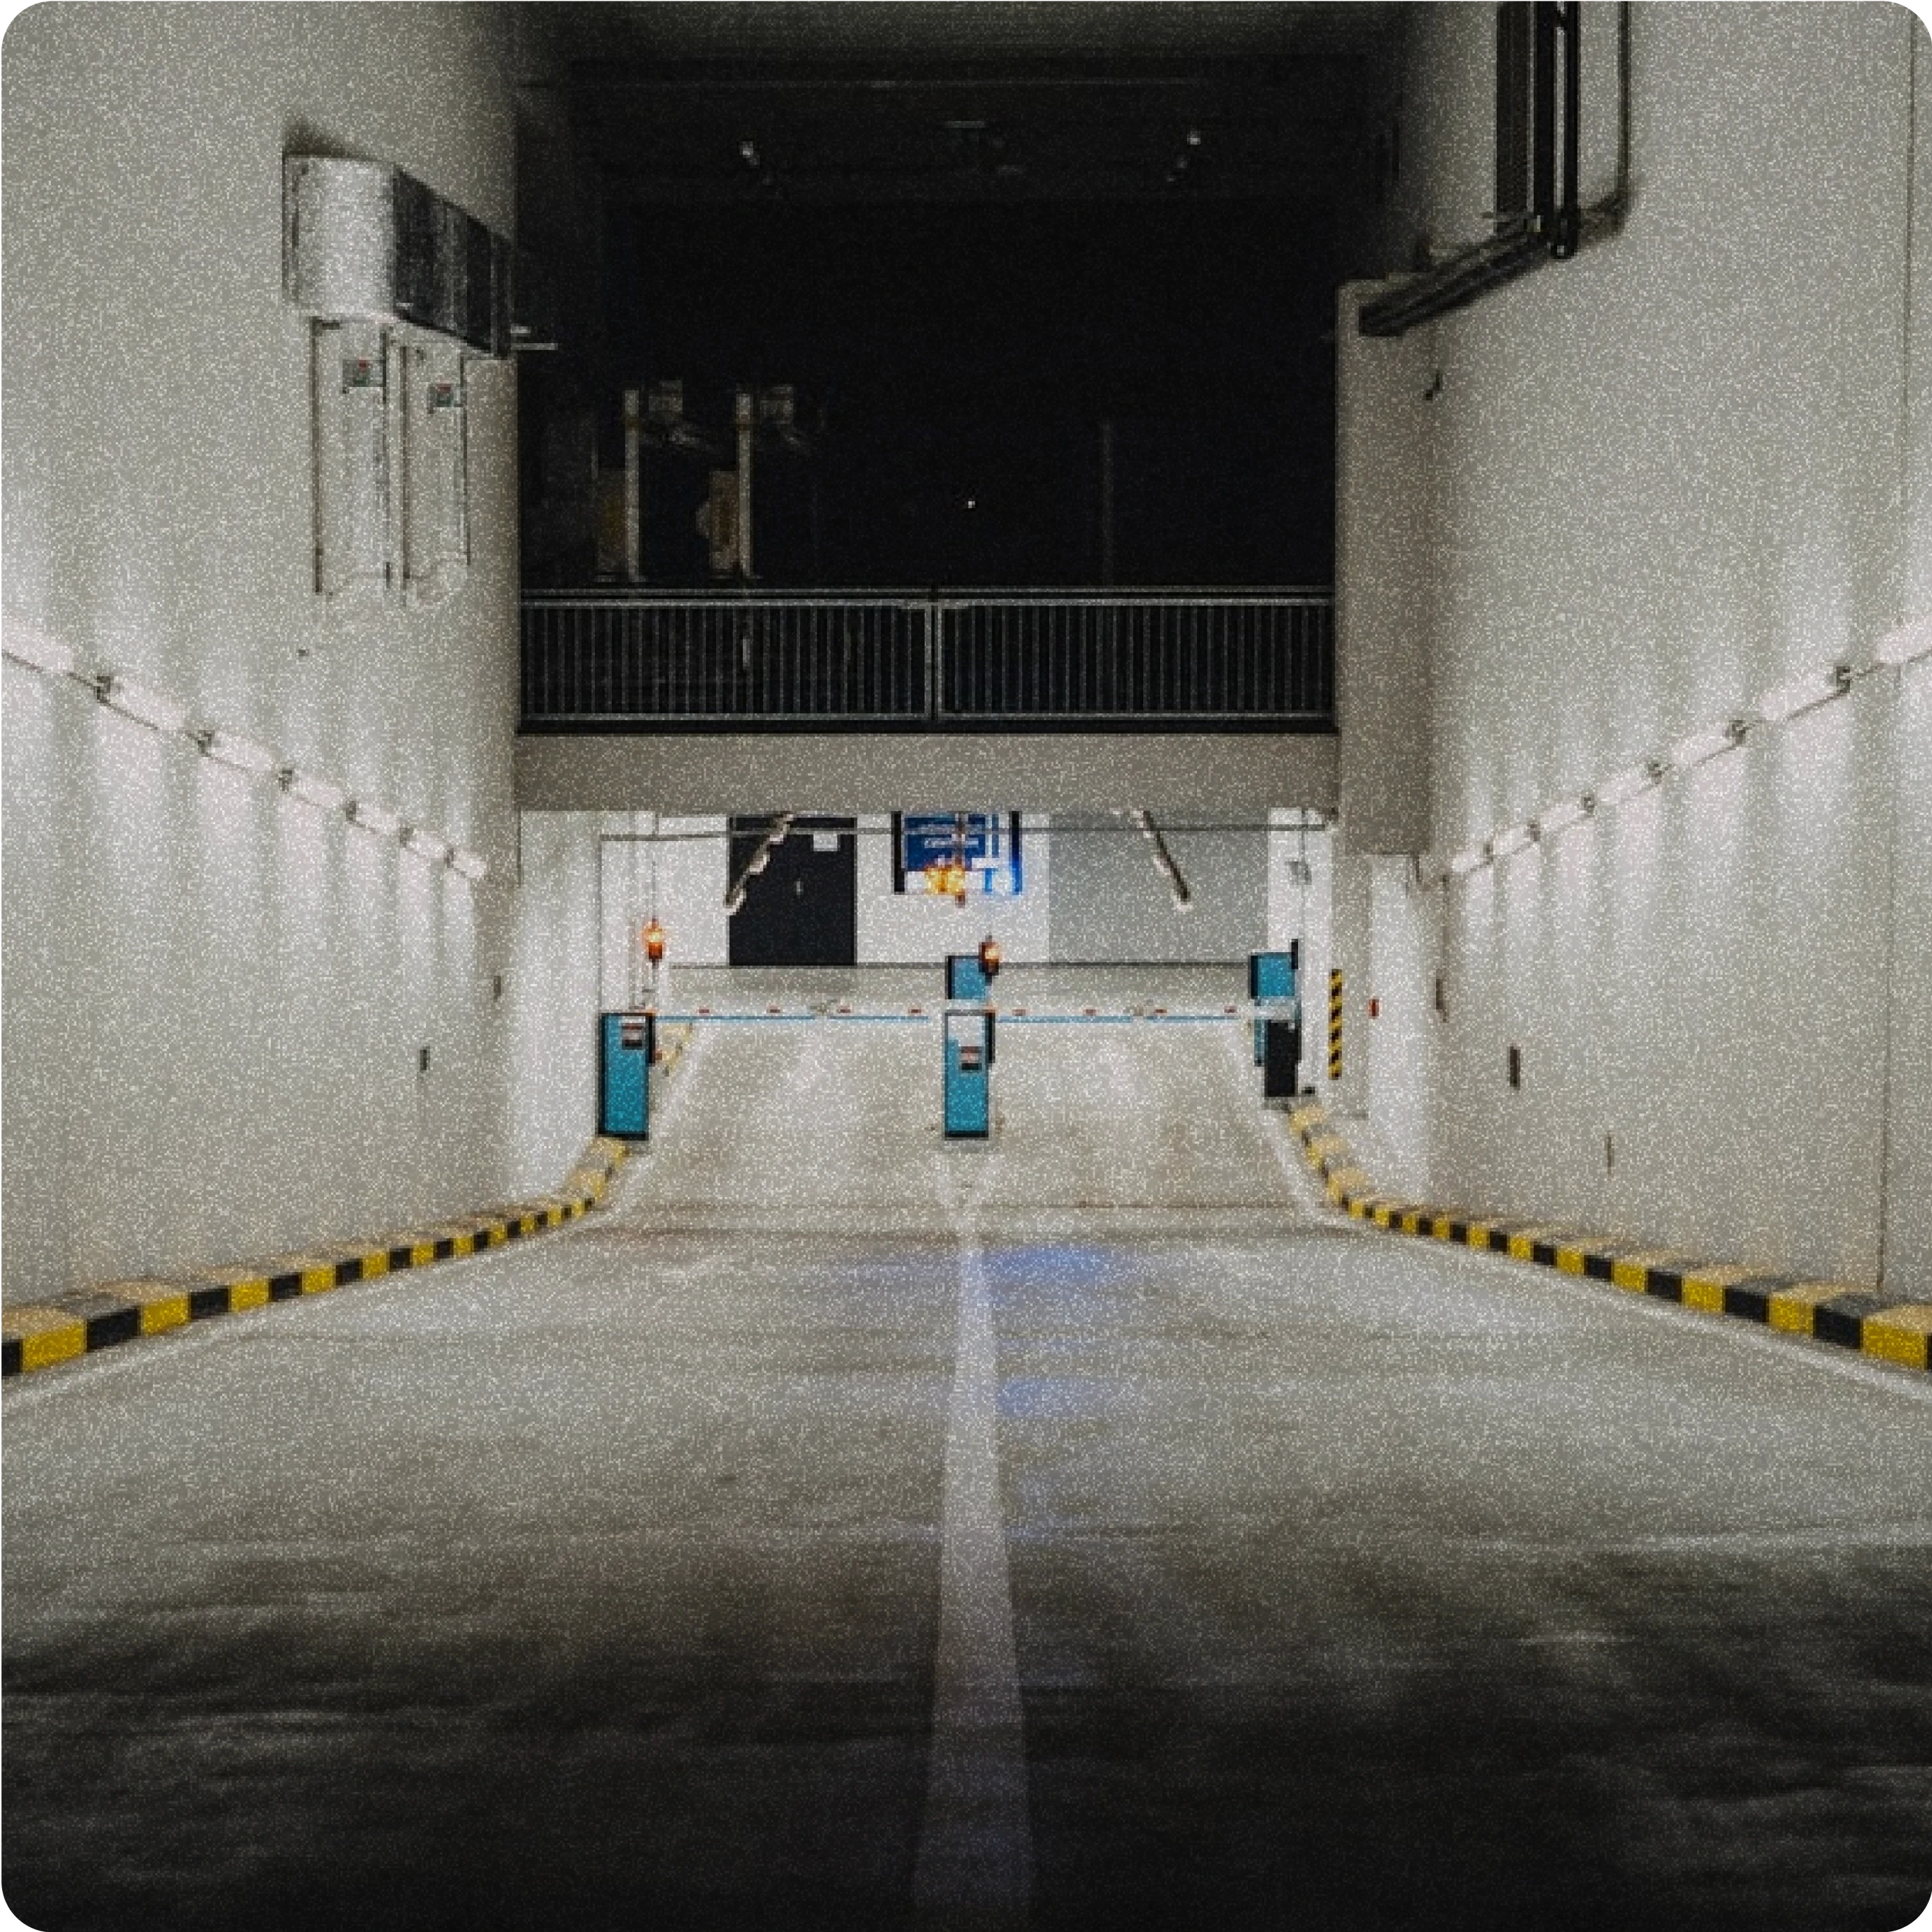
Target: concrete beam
1193,772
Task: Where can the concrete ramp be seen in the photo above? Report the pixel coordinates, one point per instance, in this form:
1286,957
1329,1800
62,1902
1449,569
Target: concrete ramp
833,1124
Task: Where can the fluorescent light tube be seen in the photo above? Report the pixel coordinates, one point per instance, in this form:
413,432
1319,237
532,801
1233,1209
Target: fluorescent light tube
1560,818
1906,645
244,754
1627,783
154,709
37,650
427,845
376,818
324,794
1511,839
1800,694
471,865
1688,753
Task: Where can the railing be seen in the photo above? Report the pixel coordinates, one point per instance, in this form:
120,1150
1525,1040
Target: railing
1001,661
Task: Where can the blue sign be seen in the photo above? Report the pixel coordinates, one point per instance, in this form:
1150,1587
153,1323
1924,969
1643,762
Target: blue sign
987,845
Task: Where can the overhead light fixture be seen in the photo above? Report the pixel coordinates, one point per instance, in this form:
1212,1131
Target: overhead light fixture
1628,783
376,818
1804,693
1702,746
1163,859
38,651
776,833
471,865
427,845
154,709
226,748
323,793
1906,645
1560,818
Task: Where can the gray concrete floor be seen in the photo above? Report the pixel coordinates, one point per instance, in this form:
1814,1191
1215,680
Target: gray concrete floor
851,1529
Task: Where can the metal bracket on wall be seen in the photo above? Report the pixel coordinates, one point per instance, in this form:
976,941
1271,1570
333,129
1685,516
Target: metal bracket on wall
1553,227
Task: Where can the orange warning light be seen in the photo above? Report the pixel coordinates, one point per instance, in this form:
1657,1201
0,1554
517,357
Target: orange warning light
989,955
653,937
947,881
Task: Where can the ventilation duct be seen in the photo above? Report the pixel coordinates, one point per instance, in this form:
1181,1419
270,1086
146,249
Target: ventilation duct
1539,216
401,288
363,242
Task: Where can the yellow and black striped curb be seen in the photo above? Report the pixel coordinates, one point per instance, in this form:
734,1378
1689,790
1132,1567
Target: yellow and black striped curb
38,1335
1851,1317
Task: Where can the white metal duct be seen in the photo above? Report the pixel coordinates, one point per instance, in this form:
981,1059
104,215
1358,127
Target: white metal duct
436,510
401,285
361,240
352,458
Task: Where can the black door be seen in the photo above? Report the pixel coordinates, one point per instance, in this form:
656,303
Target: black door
802,910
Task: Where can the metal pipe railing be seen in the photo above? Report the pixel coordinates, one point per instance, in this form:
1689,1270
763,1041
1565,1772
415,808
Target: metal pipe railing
1071,659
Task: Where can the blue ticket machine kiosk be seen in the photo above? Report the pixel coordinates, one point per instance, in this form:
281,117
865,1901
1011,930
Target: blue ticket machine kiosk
627,1045
966,978
1281,1057
1271,977
968,1039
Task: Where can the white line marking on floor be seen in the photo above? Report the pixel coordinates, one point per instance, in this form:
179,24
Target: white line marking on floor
974,1871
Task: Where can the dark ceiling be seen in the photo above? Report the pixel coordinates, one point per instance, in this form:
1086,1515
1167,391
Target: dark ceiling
973,235
842,103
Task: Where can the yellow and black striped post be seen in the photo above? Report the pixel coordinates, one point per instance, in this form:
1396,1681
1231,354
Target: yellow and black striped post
1335,1024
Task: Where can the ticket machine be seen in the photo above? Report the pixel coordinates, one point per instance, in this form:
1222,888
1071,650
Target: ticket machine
970,976
965,979
968,1038
1281,1058
1272,988
1271,983
627,1047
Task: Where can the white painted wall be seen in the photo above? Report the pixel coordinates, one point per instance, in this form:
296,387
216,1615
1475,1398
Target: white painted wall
1301,909
1908,1194
1385,486
1353,901
1908,1074
1393,1020
1674,472
1111,904
672,867
1089,896
683,875
552,999
1297,908
905,929
215,997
